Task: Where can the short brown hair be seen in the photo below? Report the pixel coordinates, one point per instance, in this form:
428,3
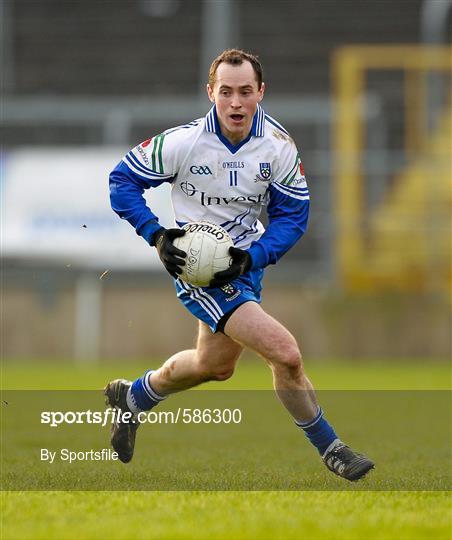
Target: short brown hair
236,57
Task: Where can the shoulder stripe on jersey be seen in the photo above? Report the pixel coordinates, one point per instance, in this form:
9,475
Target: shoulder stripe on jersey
300,197
293,171
131,163
158,178
160,153
184,126
297,190
300,186
136,163
154,147
301,182
275,123
136,168
157,163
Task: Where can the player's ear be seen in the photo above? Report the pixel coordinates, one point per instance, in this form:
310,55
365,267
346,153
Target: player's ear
210,93
261,92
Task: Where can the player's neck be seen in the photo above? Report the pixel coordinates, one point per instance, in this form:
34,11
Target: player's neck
235,138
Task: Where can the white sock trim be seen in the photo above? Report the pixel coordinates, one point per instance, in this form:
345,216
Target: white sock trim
307,424
335,443
131,401
149,390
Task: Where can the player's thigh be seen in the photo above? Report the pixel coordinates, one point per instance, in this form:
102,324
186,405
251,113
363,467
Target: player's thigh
252,327
216,349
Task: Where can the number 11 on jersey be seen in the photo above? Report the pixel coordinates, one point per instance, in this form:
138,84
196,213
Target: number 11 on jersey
233,178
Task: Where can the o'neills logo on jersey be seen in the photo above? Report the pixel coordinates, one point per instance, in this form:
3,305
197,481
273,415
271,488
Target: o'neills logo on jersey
233,164
208,200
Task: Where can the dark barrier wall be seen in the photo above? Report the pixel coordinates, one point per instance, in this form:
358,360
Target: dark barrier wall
140,322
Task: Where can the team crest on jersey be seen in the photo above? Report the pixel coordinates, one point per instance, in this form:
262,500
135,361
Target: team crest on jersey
265,170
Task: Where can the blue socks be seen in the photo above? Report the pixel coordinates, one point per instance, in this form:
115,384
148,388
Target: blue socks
319,432
141,396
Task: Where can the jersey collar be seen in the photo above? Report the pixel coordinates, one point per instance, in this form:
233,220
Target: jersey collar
257,127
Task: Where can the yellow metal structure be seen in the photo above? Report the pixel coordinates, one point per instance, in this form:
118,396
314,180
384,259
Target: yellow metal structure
405,243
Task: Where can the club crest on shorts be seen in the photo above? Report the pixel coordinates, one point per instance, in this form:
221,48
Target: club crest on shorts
228,289
265,170
231,292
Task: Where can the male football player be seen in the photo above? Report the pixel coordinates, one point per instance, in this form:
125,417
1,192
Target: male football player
224,168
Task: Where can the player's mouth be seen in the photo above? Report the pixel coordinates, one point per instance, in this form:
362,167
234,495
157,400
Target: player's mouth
237,118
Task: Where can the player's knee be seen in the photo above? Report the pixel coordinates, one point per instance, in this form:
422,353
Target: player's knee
292,360
220,372
289,358
217,374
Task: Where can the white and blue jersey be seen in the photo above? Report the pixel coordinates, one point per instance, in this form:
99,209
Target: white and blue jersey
214,180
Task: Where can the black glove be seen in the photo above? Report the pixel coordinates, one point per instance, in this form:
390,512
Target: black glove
241,263
163,241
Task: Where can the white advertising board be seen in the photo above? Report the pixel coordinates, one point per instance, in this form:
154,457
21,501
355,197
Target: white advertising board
56,206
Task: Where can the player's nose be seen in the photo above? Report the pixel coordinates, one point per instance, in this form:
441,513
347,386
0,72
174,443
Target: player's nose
235,101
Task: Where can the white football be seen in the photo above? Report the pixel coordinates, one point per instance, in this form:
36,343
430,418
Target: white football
207,248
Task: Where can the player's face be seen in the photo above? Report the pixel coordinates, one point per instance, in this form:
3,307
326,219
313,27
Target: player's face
236,95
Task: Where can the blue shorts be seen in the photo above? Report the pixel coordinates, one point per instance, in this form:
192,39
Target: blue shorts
211,304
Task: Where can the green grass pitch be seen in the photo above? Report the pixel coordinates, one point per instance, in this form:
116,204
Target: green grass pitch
230,514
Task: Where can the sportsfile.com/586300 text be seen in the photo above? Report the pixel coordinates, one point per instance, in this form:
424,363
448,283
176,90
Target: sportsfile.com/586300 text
110,415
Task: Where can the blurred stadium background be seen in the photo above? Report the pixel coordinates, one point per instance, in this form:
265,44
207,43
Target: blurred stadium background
362,86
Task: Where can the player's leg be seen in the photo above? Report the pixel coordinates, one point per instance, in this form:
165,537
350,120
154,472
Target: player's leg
252,327
214,358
